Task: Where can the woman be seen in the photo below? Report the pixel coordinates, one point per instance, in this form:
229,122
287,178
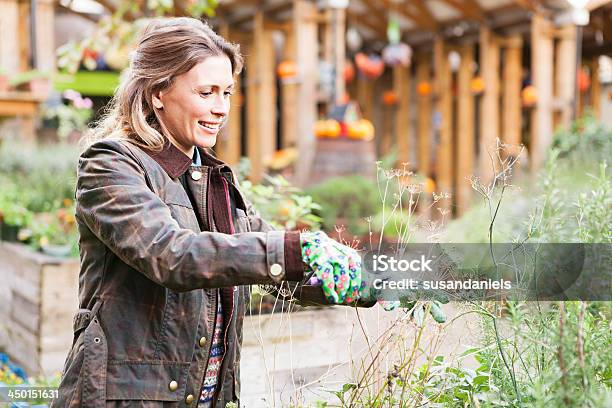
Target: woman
168,243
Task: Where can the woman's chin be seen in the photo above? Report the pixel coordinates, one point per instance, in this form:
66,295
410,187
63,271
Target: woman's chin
206,141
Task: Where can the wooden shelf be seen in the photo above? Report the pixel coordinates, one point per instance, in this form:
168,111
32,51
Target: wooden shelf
18,103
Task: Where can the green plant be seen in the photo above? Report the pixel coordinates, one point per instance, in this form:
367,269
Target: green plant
27,76
350,199
278,202
72,116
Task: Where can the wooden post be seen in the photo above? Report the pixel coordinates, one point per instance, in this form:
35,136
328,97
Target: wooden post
489,112
401,86
9,47
444,107
230,137
289,98
424,118
595,88
542,74
465,130
305,26
45,38
23,36
565,74
339,16
365,95
423,74
512,72
261,99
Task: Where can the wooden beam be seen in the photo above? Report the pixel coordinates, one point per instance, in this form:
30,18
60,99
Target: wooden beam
469,8
261,99
531,5
444,107
422,15
465,130
565,75
542,79
489,112
401,86
307,58
363,20
511,102
595,4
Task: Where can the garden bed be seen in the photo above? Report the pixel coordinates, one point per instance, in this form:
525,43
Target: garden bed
40,296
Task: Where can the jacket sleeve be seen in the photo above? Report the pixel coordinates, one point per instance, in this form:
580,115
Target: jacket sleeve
303,294
116,202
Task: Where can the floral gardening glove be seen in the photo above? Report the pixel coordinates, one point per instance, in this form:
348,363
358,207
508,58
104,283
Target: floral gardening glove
336,267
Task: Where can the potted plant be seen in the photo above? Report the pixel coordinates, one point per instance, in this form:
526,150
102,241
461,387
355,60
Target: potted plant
54,233
13,217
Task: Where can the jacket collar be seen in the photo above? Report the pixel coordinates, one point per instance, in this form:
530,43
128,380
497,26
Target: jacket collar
175,162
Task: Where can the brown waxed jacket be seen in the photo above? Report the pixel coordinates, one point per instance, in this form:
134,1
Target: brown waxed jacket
151,266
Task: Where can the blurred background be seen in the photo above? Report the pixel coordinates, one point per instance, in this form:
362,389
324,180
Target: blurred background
373,120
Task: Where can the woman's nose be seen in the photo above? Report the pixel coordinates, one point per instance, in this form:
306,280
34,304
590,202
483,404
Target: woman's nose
221,106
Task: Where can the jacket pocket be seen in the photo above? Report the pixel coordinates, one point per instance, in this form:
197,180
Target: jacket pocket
146,380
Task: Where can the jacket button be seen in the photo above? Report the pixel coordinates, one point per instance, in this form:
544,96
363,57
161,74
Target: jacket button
276,269
202,341
196,175
173,386
189,399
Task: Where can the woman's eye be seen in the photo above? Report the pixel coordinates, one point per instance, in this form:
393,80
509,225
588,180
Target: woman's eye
228,93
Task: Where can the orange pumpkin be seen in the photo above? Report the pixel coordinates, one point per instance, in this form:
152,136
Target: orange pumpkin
529,95
477,85
286,69
320,128
389,98
424,88
361,129
333,128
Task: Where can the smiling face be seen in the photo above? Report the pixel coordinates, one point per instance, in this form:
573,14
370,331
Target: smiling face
194,108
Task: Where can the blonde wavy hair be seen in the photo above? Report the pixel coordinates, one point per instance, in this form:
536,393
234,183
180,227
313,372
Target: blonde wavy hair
167,48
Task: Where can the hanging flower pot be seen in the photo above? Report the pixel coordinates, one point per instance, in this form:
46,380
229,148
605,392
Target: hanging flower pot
349,71
584,80
370,66
424,88
477,85
389,98
529,95
286,69
397,55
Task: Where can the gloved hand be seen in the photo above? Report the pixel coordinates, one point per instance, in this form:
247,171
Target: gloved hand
336,267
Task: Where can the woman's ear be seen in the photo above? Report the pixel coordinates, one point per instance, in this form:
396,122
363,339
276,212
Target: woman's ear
157,103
